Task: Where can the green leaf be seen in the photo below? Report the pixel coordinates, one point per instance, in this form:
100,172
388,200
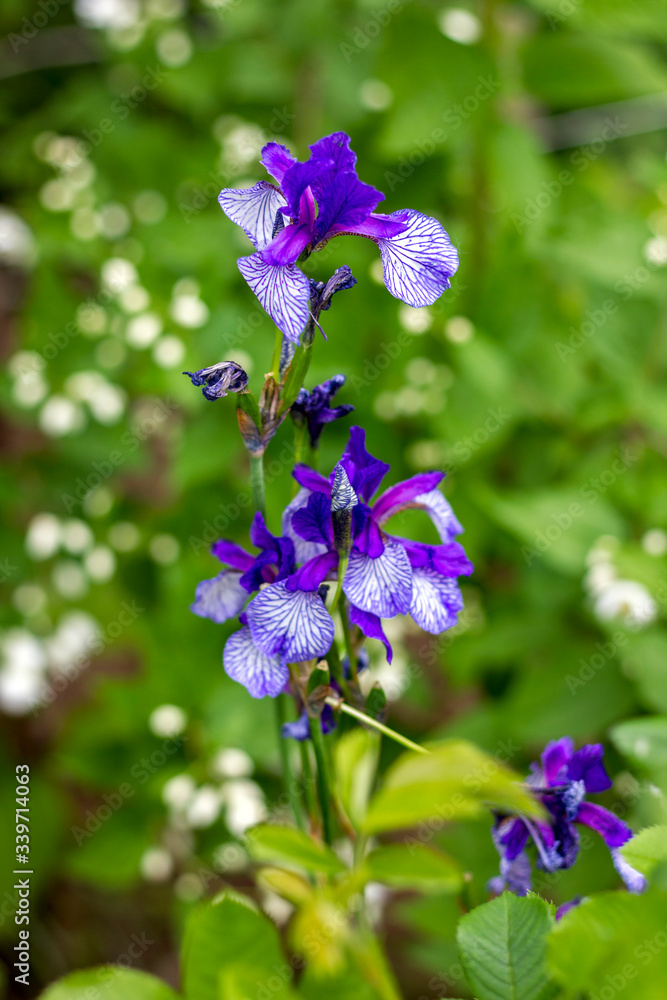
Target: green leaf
356,755
240,980
294,377
643,741
216,933
612,940
417,867
456,780
114,982
503,948
293,847
647,849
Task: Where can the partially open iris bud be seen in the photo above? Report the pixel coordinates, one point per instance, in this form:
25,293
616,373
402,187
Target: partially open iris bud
219,379
343,501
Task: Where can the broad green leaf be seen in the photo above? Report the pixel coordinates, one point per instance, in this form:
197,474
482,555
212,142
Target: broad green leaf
356,755
455,781
647,849
112,982
413,866
293,847
503,948
241,980
216,934
614,941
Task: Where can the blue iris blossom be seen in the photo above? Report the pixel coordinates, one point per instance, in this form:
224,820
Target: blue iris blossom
219,379
314,407
311,203
561,782
287,621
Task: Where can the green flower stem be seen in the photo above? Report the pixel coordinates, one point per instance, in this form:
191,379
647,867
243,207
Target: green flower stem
277,351
257,483
322,775
342,569
307,776
283,746
347,638
381,728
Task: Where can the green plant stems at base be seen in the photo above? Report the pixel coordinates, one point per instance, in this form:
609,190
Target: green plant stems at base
277,351
381,728
322,775
283,747
307,777
347,638
257,483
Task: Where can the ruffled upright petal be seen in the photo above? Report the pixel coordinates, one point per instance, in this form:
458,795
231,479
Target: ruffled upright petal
405,494
254,210
586,765
277,160
382,586
221,598
419,262
293,624
260,674
303,550
283,291
364,471
436,601
313,522
554,759
313,573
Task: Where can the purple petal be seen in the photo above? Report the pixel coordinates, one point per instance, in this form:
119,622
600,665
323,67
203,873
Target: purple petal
313,573
371,626
260,536
382,586
376,227
566,907
261,674
253,209
286,247
634,880
276,160
232,554
335,148
613,831
313,522
369,540
420,261
586,765
296,183
441,513
554,758
283,291
220,598
303,550
404,495
311,480
436,600
294,624
515,875
510,837
449,559
365,472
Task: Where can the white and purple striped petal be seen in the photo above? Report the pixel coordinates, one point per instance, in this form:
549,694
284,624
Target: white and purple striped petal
293,624
634,880
440,511
260,674
382,586
283,291
221,598
405,494
419,262
254,210
436,600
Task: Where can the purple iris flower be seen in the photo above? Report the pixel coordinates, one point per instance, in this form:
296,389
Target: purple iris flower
278,627
314,202
315,408
561,782
385,575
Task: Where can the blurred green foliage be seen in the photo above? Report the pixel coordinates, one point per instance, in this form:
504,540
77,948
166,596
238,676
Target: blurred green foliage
533,131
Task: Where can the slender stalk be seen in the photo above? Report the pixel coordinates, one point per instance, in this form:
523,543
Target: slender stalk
307,777
257,483
322,775
381,728
277,351
347,638
342,568
283,746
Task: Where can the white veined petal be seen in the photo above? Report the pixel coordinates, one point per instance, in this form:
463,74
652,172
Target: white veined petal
419,262
221,598
260,673
295,624
283,290
436,600
254,210
381,586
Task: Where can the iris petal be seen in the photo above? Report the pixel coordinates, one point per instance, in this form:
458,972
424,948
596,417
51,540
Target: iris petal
220,598
382,586
436,600
419,262
283,291
294,624
254,210
260,673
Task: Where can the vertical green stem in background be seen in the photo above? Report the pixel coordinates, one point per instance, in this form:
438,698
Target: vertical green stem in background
257,483
307,777
277,351
347,638
322,775
283,747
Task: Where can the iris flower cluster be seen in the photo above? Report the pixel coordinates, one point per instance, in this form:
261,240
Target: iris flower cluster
561,782
384,575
